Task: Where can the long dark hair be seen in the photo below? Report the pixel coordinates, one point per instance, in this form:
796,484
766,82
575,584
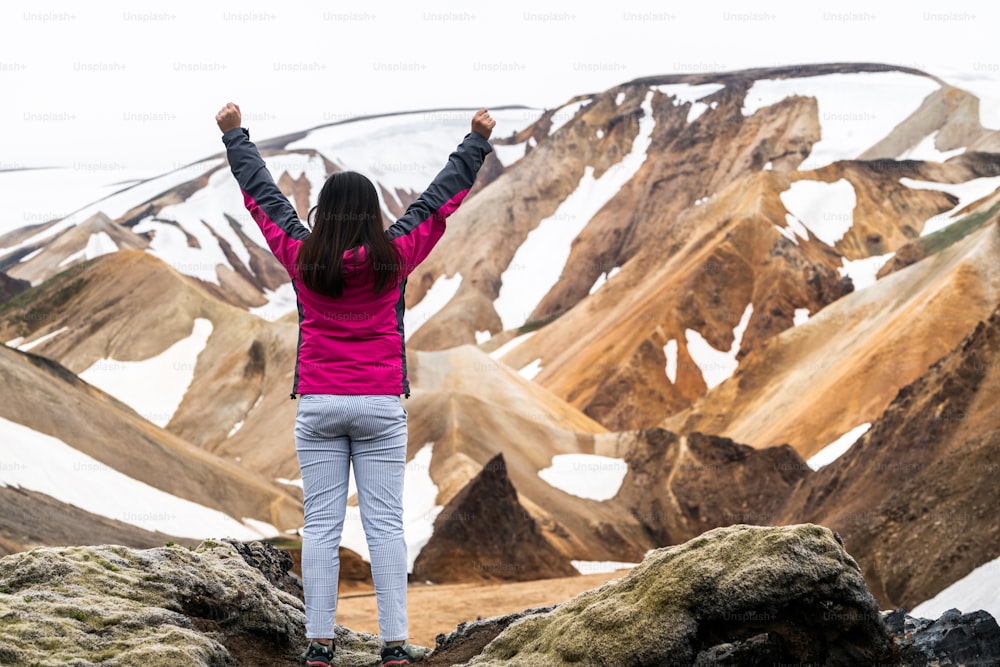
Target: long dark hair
346,218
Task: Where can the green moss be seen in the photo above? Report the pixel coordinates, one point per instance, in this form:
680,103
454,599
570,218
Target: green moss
534,325
285,543
40,301
958,230
654,613
106,565
128,606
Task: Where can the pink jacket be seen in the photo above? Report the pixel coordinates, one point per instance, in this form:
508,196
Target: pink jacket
352,344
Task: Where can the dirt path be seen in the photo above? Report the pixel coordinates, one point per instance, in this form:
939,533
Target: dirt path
439,609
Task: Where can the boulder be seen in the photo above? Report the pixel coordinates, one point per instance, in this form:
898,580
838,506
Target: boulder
167,606
468,639
955,638
275,564
738,595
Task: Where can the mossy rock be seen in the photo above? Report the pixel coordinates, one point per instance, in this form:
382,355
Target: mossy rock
780,594
112,605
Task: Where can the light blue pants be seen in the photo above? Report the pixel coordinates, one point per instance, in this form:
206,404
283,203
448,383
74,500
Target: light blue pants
331,433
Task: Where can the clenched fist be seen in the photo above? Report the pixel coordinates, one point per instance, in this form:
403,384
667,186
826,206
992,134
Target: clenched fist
229,117
483,123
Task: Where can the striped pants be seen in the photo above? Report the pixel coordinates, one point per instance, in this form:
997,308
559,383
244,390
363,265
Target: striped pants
332,432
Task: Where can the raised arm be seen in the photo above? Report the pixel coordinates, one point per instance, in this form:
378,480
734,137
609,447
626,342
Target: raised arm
268,206
420,228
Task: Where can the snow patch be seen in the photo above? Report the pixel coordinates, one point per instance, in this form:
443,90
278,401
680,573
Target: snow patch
203,215
980,589
670,350
30,345
619,98
99,243
114,205
586,475
856,110
717,366
156,386
539,261
967,192
510,345
837,448
235,429
508,154
280,302
436,298
926,150
696,110
603,278
684,93
419,510
864,272
826,209
45,464
600,133
482,337
564,114
801,316
33,254
531,370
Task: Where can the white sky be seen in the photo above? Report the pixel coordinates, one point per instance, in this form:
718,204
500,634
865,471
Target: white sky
163,69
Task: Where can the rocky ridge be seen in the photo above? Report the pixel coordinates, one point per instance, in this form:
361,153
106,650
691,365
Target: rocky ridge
740,595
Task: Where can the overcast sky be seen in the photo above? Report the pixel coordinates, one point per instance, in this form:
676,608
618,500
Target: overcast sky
138,84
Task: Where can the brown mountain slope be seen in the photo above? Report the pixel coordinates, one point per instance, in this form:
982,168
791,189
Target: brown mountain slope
915,497
246,365
33,519
692,155
95,235
815,382
108,431
468,405
678,487
11,287
686,162
699,233
951,115
473,408
736,254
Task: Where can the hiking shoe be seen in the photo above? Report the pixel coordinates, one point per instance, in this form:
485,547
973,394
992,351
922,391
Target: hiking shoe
317,655
395,656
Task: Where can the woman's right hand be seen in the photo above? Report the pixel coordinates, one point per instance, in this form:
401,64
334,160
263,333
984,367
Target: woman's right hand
229,117
483,123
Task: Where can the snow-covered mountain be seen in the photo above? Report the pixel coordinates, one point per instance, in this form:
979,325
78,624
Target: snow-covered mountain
193,217
680,282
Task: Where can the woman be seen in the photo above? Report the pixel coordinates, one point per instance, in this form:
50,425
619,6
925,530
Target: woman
349,274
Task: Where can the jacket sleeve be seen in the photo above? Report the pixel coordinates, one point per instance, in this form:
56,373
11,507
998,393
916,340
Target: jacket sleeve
423,224
270,209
